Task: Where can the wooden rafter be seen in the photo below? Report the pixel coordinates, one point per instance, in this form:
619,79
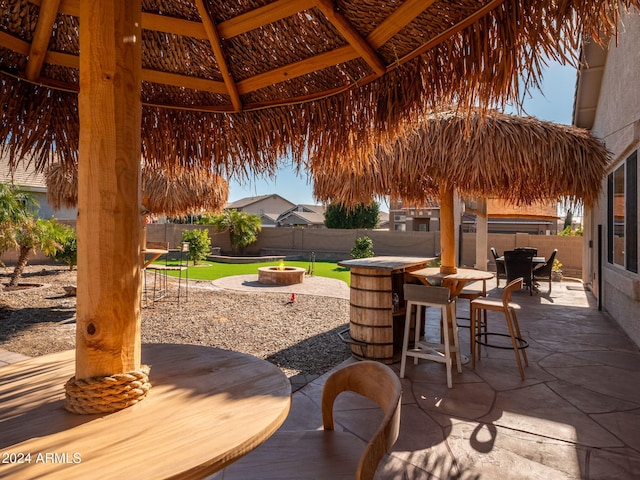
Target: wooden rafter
214,40
351,35
395,22
41,38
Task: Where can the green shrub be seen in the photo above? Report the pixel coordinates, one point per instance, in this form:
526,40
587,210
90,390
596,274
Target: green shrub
68,252
363,248
199,244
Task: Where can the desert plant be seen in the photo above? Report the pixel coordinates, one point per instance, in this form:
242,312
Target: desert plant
199,244
363,248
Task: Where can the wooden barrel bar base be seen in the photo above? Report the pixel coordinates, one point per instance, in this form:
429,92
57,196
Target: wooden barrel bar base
377,307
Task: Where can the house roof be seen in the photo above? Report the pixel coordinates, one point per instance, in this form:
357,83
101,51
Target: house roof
24,177
244,202
593,58
311,218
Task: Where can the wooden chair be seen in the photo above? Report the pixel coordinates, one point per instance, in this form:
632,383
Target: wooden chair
500,270
418,296
329,453
543,272
508,309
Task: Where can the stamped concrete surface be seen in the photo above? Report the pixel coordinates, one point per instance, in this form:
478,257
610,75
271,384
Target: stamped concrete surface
575,416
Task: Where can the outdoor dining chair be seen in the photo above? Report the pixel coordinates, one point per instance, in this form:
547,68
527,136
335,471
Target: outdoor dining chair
500,271
543,272
519,264
480,335
418,296
328,453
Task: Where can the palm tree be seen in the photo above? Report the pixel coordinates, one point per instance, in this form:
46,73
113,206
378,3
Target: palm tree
243,227
20,230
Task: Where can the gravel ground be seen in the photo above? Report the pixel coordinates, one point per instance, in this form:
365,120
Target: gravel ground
299,337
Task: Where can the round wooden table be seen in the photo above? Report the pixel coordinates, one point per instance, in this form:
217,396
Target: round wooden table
207,408
454,281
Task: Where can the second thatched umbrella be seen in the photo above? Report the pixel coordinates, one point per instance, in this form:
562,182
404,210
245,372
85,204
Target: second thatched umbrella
177,192
521,160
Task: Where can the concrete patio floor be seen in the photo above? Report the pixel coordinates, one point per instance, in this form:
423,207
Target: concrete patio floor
576,415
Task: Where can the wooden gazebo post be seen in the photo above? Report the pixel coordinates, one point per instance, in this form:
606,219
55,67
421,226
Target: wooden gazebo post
447,231
108,226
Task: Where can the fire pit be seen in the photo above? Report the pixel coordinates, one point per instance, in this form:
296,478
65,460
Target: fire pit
280,275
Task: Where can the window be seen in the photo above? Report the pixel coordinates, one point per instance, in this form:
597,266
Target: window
622,214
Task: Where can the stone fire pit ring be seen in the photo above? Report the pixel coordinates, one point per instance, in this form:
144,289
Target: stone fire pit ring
276,275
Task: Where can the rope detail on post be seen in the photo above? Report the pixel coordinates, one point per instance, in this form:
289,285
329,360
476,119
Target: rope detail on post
107,394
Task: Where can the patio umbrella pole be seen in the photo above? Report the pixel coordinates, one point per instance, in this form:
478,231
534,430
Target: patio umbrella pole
447,231
108,371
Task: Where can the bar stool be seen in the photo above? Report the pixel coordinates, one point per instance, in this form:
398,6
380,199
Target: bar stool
518,344
419,296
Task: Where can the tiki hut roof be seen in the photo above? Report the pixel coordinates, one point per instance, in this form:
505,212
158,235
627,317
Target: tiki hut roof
163,193
521,160
237,85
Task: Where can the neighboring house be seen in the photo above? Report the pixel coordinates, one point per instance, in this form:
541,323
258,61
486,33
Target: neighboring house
267,207
412,218
307,216
537,219
607,102
28,180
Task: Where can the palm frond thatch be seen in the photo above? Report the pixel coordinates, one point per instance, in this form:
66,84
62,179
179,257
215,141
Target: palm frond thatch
521,160
177,192
300,78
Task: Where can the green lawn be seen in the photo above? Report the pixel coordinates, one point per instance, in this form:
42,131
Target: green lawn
215,270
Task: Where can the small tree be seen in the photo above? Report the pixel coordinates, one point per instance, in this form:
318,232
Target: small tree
32,235
243,228
20,230
199,244
363,248
359,216
68,252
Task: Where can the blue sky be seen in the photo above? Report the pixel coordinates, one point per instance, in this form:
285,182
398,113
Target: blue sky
553,102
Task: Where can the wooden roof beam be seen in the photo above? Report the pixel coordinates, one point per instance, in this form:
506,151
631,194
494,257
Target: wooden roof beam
400,18
262,16
41,38
351,35
214,40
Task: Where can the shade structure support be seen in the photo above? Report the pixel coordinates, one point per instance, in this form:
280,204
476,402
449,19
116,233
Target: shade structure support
109,223
447,230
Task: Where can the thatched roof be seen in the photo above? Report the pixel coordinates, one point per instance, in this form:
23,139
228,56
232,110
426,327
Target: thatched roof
521,160
163,193
240,84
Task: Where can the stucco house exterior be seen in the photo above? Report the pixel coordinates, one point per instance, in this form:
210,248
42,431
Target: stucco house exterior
607,102
28,180
267,207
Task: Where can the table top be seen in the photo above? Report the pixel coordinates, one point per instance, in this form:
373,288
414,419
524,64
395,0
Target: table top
454,281
467,274
534,260
386,262
207,407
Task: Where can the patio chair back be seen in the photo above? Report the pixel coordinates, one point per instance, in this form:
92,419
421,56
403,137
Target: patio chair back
519,263
543,272
331,453
500,270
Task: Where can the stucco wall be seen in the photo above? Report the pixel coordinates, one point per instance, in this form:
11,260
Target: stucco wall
617,122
